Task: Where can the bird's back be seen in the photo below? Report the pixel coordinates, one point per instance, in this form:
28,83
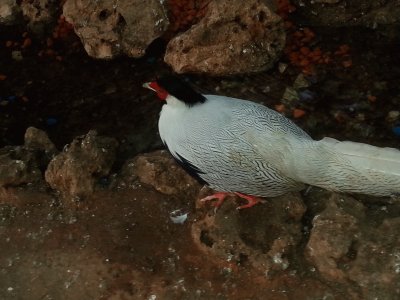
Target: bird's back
222,137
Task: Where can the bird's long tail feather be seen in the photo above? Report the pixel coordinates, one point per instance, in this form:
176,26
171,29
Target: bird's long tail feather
350,167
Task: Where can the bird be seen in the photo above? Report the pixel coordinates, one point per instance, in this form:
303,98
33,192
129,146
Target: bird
239,147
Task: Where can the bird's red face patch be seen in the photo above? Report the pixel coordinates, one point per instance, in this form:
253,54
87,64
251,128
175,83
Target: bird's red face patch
161,93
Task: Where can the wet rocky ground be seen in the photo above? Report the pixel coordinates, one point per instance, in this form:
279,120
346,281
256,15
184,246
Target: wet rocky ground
112,224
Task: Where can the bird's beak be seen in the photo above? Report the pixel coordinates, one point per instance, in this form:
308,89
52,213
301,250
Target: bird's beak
147,86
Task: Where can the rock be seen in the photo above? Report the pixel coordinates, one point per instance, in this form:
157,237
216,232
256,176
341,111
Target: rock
344,13
346,247
23,164
327,1
9,12
332,236
234,37
290,97
39,13
17,55
264,237
376,264
18,166
37,139
159,170
74,172
38,142
108,28
393,116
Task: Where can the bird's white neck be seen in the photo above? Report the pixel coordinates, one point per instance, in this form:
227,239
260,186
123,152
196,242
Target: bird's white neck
174,102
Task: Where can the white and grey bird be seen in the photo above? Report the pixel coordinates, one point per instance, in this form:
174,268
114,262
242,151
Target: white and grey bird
238,146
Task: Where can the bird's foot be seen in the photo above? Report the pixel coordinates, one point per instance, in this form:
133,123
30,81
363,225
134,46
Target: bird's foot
251,200
220,197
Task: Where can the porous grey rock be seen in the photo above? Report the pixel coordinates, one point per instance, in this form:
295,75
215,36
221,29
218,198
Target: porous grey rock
159,170
38,143
348,247
332,236
376,266
37,139
108,28
9,12
23,164
264,236
40,14
327,1
349,13
74,171
18,166
234,37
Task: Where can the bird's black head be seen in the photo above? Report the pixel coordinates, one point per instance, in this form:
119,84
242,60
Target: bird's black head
172,85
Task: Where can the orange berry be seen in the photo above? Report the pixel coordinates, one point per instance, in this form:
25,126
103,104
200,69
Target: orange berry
280,108
314,58
305,50
298,113
304,62
291,8
347,63
308,70
27,42
298,34
344,48
288,24
49,42
307,31
50,52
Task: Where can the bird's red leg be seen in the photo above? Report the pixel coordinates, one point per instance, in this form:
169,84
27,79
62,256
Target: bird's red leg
252,200
219,196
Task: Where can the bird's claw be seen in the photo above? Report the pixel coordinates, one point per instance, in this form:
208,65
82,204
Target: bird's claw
251,201
220,197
